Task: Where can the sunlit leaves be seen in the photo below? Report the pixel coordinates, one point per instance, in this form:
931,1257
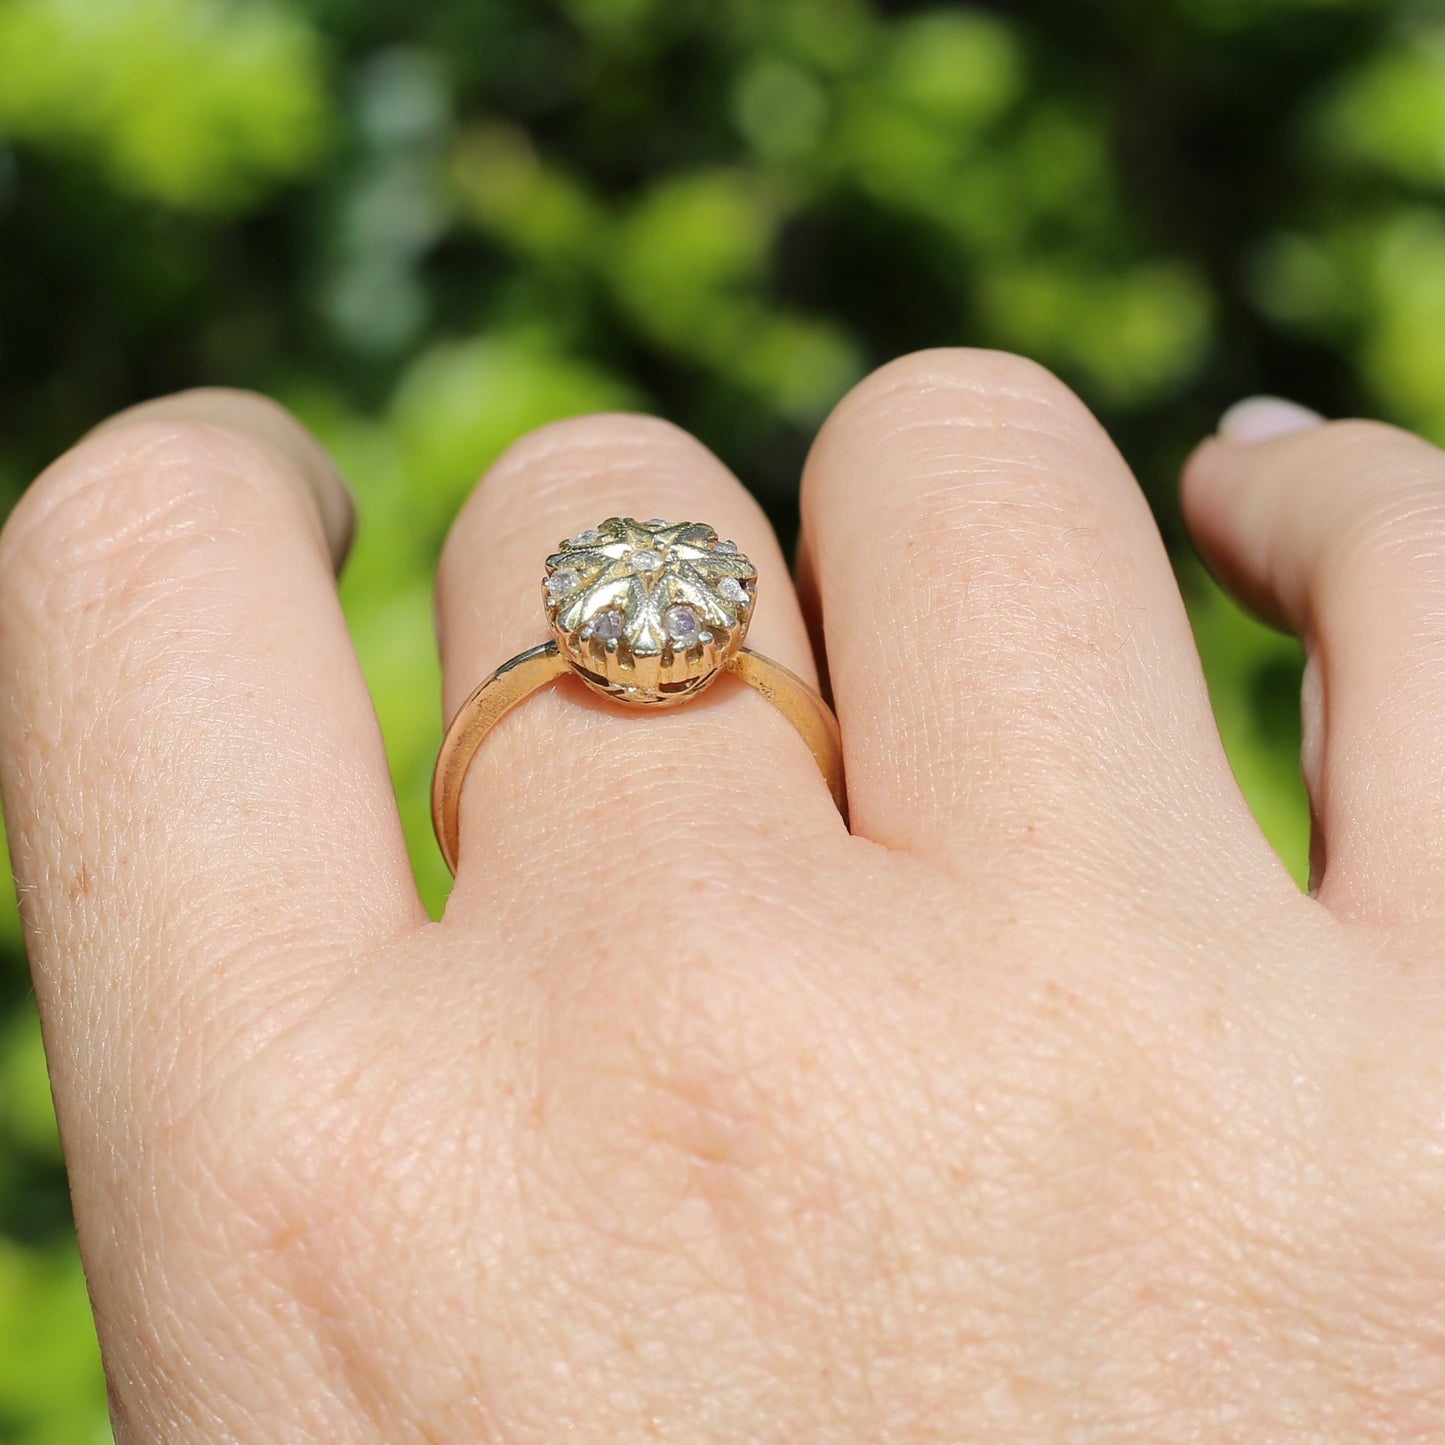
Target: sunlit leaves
960,67
1390,113
194,102
508,189
460,405
1253,686
27,1120
51,1391
1135,331
1406,319
780,108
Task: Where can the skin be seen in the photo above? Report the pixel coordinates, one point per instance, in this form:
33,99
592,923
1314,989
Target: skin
1041,1108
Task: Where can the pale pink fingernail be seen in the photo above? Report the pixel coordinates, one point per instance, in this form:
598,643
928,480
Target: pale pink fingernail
1260,418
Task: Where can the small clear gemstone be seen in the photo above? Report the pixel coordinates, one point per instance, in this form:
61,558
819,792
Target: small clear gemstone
681,623
646,560
563,584
733,590
656,522
590,538
729,547
608,624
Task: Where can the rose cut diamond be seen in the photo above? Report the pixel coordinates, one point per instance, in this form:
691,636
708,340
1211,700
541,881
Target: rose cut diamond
681,623
608,624
646,560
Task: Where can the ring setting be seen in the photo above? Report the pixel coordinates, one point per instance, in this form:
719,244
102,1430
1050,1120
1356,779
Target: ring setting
648,614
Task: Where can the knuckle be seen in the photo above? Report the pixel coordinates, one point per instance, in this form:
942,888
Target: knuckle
1003,475
1000,388
977,438
556,455
131,505
1353,435
129,483
1392,513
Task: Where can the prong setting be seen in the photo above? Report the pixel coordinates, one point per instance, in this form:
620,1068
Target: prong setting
648,612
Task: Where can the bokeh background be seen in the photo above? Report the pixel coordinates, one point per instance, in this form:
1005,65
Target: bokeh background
428,225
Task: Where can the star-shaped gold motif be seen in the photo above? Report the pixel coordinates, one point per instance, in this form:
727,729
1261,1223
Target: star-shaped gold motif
645,589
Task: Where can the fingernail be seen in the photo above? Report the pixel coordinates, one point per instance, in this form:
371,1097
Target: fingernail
1260,418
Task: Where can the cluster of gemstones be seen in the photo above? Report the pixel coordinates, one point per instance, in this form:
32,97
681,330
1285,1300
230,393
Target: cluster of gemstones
626,594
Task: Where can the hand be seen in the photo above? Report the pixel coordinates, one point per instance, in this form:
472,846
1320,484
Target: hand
1043,1108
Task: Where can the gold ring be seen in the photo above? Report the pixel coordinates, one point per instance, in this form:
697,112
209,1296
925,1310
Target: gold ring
648,614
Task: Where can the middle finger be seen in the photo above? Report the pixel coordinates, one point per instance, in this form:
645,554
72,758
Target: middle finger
1018,681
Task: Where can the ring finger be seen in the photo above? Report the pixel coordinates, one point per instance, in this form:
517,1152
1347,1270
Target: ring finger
573,797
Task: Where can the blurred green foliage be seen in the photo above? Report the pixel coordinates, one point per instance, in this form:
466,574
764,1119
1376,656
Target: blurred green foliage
430,226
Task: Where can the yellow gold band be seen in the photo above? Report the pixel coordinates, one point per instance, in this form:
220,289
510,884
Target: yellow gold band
518,679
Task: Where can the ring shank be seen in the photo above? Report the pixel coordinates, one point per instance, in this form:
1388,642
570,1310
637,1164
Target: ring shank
518,679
